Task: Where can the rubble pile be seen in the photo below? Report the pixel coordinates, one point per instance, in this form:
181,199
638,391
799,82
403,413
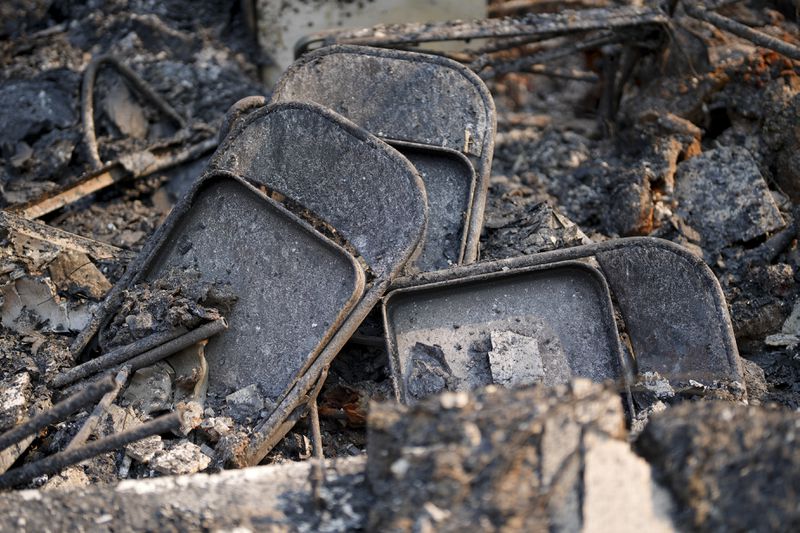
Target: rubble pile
534,459
549,281
558,460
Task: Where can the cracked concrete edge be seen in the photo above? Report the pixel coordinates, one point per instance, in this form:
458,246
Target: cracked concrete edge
273,497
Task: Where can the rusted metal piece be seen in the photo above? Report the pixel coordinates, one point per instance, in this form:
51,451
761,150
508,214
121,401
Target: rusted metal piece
512,7
88,396
543,25
136,165
451,187
565,73
87,100
759,38
317,473
328,169
672,305
57,462
408,96
431,109
318,470
135,357
543,323
674,311
284,23
278,424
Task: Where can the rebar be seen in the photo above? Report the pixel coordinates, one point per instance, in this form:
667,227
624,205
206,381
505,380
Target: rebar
317,473
565,73
57,462
90,395
209,329
116,356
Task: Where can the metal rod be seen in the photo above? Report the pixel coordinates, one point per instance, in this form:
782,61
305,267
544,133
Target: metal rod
91,394
502,45
196,335
160,353
565,73
116,356
535,44
318,467
91,422
59,461
772,247
544,24
745,32
526,62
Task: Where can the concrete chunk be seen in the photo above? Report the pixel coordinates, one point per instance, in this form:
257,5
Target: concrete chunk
273,498
723,196
499,459
185,458
70,478
515,359
245,402
145,449
619,493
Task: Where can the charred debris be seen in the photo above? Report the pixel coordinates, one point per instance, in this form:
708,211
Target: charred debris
201,273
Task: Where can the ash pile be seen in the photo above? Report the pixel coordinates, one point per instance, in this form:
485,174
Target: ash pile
546,281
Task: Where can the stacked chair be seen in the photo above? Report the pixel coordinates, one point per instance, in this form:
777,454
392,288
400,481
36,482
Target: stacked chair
362,184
